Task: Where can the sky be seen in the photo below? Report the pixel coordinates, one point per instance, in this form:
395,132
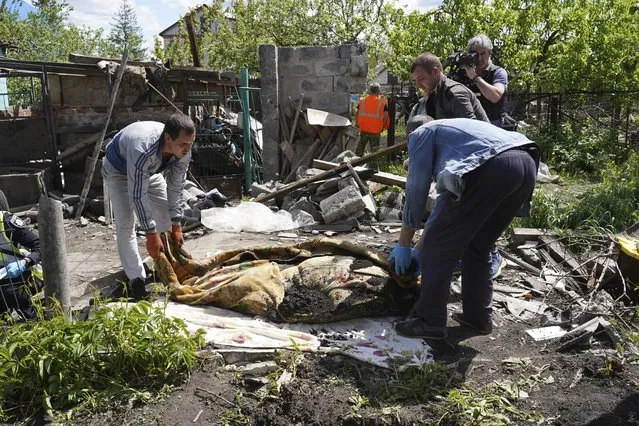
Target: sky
156,15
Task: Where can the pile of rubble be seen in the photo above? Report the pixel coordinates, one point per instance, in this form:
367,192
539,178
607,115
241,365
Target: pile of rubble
341,201
567,298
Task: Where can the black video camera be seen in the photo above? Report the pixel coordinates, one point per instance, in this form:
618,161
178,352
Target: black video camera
457,60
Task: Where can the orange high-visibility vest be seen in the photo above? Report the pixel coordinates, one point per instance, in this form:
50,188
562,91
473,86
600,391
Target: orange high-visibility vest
370,118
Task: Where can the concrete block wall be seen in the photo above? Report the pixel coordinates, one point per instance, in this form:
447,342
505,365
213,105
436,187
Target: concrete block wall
326,75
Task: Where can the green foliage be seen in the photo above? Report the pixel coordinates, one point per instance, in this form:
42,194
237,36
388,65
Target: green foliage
120,354
495,404
126,34
610,206
549,45
583,149
231,35
45,35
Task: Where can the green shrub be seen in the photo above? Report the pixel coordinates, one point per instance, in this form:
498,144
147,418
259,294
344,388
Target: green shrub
122,353
579,149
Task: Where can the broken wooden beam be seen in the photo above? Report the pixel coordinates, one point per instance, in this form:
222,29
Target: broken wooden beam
521,235
379,177
337,169
565,257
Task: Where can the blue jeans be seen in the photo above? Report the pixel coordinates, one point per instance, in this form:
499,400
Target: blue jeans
467,229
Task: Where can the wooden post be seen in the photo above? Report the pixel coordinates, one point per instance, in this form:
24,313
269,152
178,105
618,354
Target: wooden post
98,144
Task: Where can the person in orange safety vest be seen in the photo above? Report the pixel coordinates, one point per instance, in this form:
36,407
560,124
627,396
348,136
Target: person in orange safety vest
372,119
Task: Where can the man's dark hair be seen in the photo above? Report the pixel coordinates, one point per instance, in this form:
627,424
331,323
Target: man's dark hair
416,121
427,61
177,123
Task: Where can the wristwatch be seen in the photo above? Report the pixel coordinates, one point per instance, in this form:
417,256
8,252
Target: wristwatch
477,77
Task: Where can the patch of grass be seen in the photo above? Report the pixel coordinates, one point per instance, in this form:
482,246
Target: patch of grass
496,403
123,353
608,207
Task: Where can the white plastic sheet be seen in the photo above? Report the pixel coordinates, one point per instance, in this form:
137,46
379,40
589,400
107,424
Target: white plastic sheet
251,217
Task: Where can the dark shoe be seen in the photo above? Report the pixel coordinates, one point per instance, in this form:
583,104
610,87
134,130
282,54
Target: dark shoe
112,293
497,263
478,328
417,328
137,289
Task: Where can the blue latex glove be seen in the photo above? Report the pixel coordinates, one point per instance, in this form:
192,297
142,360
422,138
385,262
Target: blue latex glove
402,256
15,269
416,256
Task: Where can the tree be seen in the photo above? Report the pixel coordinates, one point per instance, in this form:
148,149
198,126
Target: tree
230,36
548,45
126,34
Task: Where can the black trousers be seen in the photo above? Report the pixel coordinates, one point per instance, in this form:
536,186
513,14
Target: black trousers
467,229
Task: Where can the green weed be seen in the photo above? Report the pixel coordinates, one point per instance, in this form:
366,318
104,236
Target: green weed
495,404
120,355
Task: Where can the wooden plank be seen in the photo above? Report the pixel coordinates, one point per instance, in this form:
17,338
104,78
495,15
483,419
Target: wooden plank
338,169
379,177
565,257
521,235
98,144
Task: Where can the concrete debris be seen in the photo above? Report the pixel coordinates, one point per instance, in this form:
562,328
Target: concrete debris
344,204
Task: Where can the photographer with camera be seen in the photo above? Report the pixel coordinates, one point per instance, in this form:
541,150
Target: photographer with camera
443,97
487,80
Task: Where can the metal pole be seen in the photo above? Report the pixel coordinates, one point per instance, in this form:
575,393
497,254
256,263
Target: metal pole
246,125
54,253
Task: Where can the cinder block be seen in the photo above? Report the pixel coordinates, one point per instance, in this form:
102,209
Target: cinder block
347,203
332,67
345,51
306,205
359,65
351,84
294,85
334,102
288,69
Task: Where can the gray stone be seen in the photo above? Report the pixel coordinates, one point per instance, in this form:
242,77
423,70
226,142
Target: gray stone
349,84
345,51
347,203
304,172
347,181
302,218
333,67
294,69
306,205
335,102
329,186
262,188
359,65
343,156
389,214
295,85
394,199
288,202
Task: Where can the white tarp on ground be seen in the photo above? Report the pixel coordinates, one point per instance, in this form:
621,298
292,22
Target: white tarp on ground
372,340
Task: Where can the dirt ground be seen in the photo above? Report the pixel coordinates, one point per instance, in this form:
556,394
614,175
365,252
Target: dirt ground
587,387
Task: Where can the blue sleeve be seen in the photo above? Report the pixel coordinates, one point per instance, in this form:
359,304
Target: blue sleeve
500,77
421,153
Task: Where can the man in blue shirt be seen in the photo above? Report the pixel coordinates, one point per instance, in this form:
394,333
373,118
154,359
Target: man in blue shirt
484,175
